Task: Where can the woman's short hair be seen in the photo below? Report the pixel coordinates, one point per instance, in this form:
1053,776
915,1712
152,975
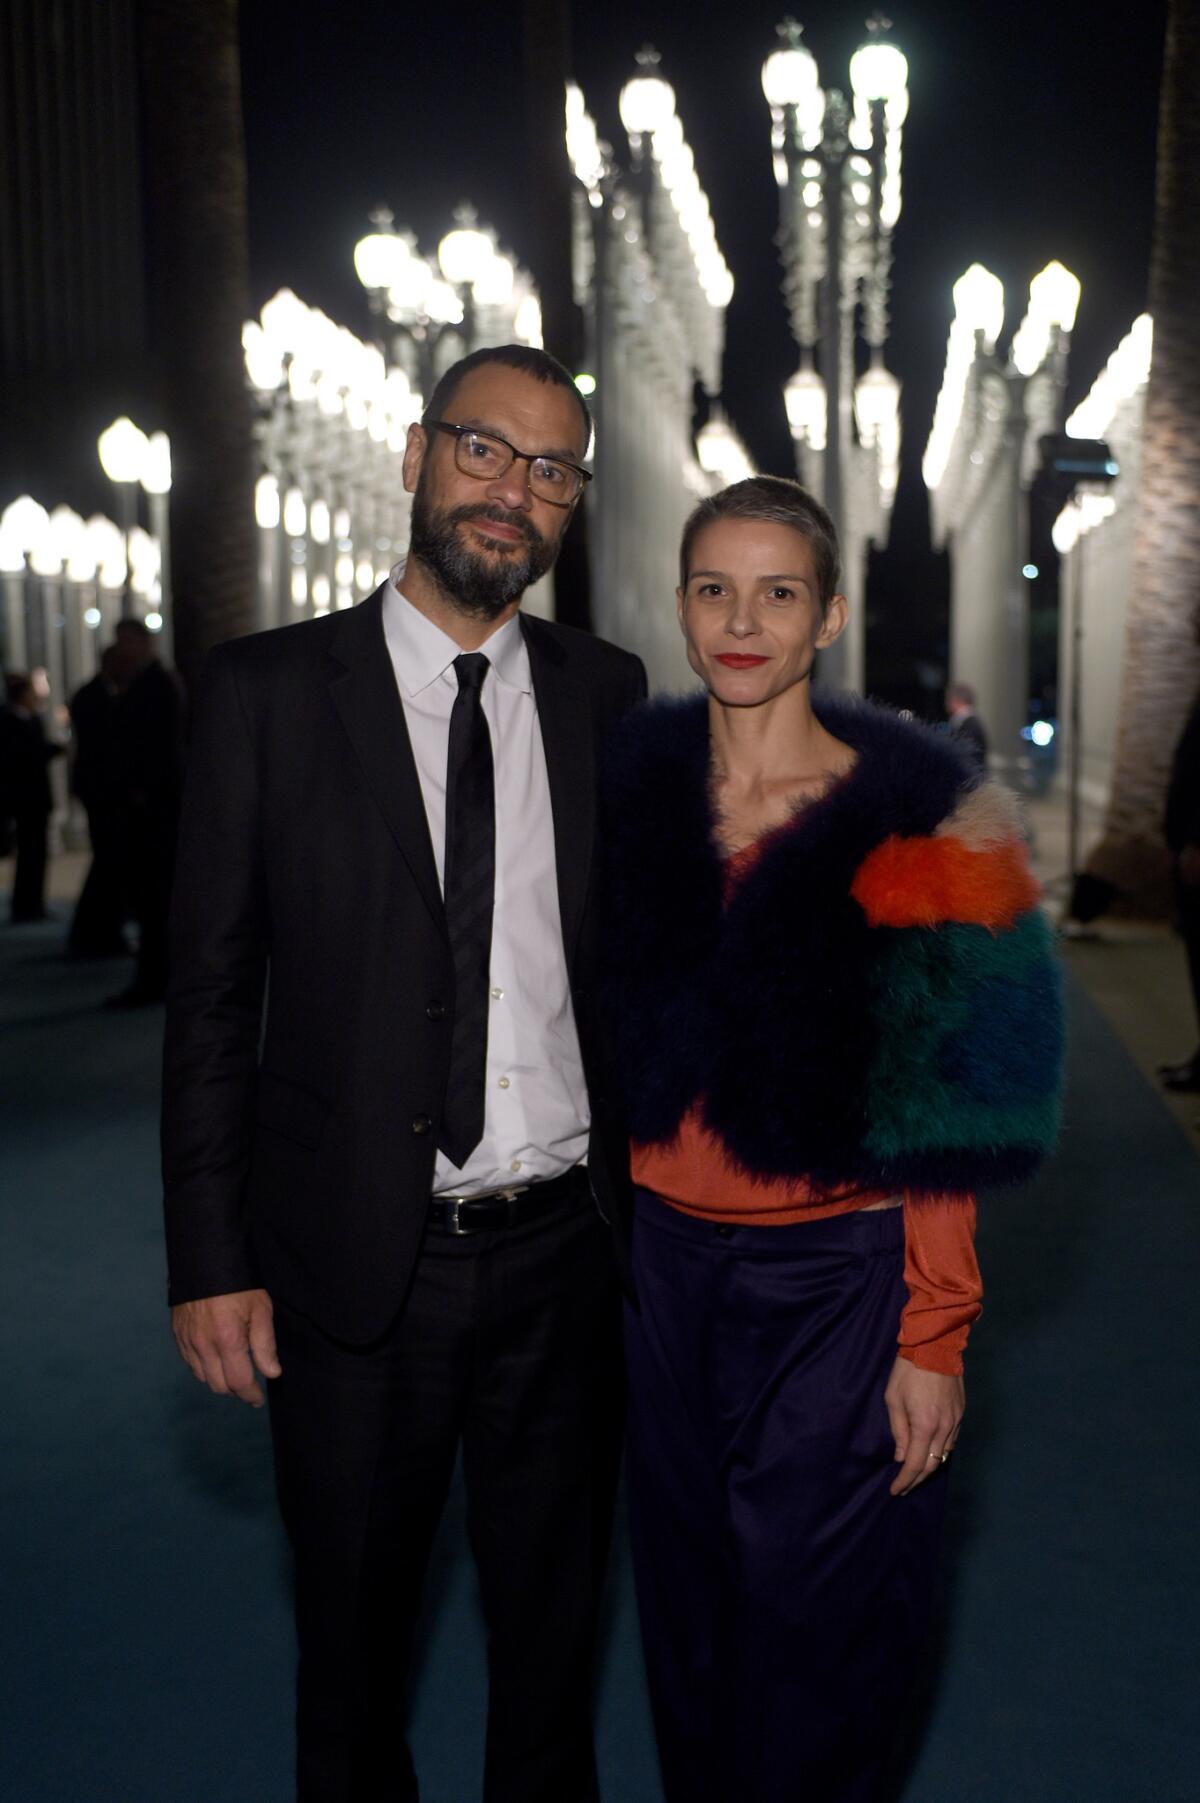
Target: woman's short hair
778,501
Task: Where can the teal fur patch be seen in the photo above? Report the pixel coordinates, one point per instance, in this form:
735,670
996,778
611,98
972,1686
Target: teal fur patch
969,1040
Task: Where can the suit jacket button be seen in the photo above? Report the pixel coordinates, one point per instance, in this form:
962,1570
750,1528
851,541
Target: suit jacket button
436,1011
422,1124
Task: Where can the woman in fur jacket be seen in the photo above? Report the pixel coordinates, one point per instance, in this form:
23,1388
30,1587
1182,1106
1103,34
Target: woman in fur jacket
837,1014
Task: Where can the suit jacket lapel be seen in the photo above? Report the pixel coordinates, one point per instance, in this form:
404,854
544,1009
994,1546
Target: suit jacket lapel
565,717
363,690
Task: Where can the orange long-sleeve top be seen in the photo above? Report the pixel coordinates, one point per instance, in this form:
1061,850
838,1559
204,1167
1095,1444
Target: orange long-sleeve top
694,1173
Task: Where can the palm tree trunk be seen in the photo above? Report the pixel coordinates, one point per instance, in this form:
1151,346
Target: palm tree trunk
199,293
1161,665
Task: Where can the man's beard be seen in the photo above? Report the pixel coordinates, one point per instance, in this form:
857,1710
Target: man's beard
477,585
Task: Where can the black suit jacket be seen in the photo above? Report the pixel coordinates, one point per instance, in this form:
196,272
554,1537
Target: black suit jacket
299,1139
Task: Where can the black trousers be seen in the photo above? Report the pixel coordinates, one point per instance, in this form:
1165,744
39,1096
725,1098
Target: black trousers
29,877
102,906
509,1344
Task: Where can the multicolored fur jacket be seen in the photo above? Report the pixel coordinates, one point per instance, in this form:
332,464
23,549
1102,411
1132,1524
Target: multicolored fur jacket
879,1002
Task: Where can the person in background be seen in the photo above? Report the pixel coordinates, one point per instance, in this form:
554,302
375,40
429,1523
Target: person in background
835,1015
966,728
96,926
147,786
26,798
1182,829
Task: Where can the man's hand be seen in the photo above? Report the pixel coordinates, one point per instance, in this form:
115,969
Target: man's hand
219,1336
925,1410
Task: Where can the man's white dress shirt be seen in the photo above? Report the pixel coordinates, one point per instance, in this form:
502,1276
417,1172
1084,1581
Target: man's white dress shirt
536,1110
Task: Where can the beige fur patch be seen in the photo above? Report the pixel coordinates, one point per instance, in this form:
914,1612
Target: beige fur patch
990,815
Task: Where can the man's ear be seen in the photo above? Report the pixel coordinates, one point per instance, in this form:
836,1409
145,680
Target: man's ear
834,623
415,447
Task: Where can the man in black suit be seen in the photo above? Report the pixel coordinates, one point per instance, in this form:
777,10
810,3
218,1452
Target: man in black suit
397,1207
25,793
147,776
966,728
96,926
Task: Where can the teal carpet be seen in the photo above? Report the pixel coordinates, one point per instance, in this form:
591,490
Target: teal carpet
145,1641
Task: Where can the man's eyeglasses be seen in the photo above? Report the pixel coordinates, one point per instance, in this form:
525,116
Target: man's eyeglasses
485,455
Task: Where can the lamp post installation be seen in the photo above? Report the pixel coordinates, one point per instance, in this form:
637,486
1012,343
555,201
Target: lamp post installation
837,163
331,429
429,313
1094,537
981,457
122,448
653,285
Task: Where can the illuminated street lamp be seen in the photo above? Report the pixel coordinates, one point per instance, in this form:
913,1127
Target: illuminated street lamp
837,164
122,448
992,412
430,311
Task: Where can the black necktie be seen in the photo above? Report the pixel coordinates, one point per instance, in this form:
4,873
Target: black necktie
469,887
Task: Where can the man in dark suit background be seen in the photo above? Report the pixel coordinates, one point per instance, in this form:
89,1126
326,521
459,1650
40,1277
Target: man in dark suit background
397,1208
26,797
146,767
966,728
96,926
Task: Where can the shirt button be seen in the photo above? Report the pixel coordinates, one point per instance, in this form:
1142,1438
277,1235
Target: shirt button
515,1165
436,1011
504,1082
422,1124
724,1231
497,993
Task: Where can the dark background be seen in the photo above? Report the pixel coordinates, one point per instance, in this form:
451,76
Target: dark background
1031,135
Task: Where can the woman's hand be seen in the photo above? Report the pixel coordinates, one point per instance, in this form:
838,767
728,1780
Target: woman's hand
925,1409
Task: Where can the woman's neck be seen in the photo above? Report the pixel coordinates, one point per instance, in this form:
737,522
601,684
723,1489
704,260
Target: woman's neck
780,743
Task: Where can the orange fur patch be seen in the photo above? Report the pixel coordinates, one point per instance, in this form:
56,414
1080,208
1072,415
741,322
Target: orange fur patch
923,882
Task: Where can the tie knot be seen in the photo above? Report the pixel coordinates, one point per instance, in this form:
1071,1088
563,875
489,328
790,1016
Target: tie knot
471,668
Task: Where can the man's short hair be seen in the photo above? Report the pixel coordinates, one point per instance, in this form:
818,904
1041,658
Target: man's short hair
16,684
777,501
131,623
527,358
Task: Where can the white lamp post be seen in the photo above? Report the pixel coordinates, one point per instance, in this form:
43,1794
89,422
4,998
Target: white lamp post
837,164
122,448
979,461
156,481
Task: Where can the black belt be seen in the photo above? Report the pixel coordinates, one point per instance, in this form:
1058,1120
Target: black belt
460,1215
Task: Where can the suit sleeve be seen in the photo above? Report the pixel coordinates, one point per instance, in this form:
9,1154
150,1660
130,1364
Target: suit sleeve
219,952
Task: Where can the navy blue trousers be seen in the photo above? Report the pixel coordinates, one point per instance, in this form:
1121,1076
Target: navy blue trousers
784,1594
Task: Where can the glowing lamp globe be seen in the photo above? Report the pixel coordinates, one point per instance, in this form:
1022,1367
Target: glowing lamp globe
464,254
878,71
1054,296
156,465
979,301
646,103
789,76
122,448
377,257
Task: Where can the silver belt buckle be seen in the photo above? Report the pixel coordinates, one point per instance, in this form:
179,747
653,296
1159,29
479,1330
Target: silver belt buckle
453,1206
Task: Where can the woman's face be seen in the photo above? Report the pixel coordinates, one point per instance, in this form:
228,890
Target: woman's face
751,611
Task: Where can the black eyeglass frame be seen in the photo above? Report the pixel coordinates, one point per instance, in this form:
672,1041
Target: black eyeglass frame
529,457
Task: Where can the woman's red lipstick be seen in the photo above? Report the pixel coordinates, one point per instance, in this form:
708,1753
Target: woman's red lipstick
739,660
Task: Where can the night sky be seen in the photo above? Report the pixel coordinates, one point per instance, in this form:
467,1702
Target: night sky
1031,135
